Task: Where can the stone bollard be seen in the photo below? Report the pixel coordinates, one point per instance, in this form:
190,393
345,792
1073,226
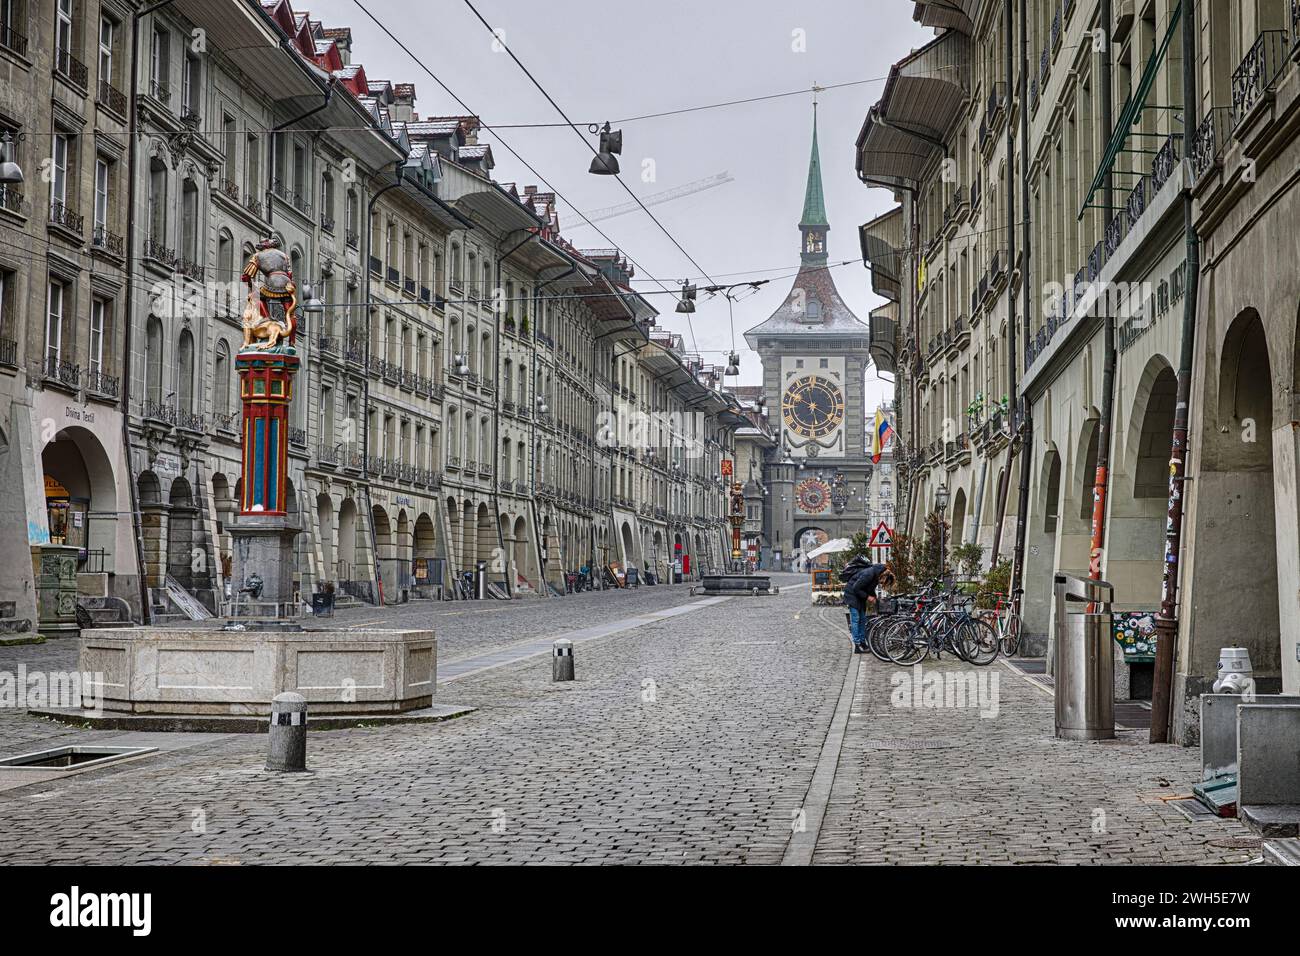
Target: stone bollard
287,745
562,663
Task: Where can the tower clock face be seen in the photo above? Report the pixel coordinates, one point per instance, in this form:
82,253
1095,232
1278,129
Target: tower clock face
813,406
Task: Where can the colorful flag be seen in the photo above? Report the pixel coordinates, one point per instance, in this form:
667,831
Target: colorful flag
880,438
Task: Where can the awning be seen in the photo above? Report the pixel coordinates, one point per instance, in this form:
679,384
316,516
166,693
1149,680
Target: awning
882,241
834,546
247,36
1131,115
923,98
947,14
884,339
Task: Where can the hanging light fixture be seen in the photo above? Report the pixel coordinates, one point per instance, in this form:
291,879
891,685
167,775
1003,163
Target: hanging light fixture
311,305
733,365
605,162
687,301
10,171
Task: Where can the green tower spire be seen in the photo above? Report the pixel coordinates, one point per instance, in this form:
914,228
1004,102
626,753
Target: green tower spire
814,201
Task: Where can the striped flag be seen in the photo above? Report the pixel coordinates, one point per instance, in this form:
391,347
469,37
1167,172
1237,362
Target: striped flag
880,438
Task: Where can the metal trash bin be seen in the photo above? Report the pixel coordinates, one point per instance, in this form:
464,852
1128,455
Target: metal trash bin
1085,659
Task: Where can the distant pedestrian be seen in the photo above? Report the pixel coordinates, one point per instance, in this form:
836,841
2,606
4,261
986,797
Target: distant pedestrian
861,593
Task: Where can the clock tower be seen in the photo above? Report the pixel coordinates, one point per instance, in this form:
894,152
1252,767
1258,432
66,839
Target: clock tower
815,355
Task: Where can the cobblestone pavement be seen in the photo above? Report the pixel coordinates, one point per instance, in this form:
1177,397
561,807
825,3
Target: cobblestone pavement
701,738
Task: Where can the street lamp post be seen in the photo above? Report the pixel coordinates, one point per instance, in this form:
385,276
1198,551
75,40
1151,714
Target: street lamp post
941,505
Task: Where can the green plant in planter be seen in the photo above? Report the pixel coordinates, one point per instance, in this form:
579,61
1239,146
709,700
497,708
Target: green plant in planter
975,410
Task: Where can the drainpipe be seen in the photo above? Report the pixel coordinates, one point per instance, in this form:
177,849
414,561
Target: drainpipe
1106,425
1167,622
365,400
1012,320
1027,426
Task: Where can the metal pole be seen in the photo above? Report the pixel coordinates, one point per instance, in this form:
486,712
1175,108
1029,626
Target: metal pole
1027,426
1105,425
1167,622
1012,340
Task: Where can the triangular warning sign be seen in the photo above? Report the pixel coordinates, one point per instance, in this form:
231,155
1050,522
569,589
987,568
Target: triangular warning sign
882,537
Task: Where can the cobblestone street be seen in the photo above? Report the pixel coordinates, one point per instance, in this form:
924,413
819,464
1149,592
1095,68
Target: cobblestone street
734,731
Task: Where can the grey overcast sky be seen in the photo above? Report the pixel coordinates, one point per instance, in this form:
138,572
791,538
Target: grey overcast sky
621,58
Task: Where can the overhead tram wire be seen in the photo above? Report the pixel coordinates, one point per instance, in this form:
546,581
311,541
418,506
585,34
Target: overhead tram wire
513,152
586,142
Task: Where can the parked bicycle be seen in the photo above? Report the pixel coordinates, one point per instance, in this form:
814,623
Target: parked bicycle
1004,618
944,623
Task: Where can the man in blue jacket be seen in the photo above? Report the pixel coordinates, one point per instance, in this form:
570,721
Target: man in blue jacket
859,594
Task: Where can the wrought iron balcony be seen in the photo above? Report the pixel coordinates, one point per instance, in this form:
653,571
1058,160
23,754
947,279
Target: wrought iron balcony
1208,140
62,371
9,353
160,412
227,422
254,205
327,224
328,454
426,294
376,267
65,218
11,199
1166,161
230,189
191,422
297,436
1258,72
408,287
106,241
453,463
159,253
1096,259
103,385
392,276
13,40
1114,235
190,269
1135,205
160,91
112,97
70,68
352,239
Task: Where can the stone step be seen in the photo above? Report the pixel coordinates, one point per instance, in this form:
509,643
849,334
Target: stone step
1282,852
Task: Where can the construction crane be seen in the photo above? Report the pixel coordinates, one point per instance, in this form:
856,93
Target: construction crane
654,199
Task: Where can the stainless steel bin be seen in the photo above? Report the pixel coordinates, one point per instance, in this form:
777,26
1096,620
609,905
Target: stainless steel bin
1085,659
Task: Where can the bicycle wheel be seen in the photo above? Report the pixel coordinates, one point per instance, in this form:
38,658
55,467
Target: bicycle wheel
1009,643
876,634
906,644
979,640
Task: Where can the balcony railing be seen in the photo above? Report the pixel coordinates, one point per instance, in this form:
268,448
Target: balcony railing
328,454
254,205
392,276
11,199
109,242
70,68
9,353
408,286
298,436
112,97
159,253
160,91
1258,72
230,189
13,40
62,371
376,267
327,224
1166,161
226,422
103,385
191,422
160,412
190,269
1136,204
352,239
65,218
1208,140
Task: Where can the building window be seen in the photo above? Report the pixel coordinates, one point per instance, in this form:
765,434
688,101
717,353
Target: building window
157,202
455,266
56,307
106,30
229,143
221,379
226,267
253,168
185,364
63,28
153,361
191,87
59,160
100,313
160,65
101,200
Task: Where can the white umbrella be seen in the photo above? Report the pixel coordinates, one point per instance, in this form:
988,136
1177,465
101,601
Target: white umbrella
831,547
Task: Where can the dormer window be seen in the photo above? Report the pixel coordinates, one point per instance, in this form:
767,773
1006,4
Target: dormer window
813,313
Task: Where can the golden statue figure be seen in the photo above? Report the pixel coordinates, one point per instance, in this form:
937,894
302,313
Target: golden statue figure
271,312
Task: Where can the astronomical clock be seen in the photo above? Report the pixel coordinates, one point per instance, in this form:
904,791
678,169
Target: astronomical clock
813,407
812,495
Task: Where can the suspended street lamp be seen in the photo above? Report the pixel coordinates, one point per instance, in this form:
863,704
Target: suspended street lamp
611,144
687,302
